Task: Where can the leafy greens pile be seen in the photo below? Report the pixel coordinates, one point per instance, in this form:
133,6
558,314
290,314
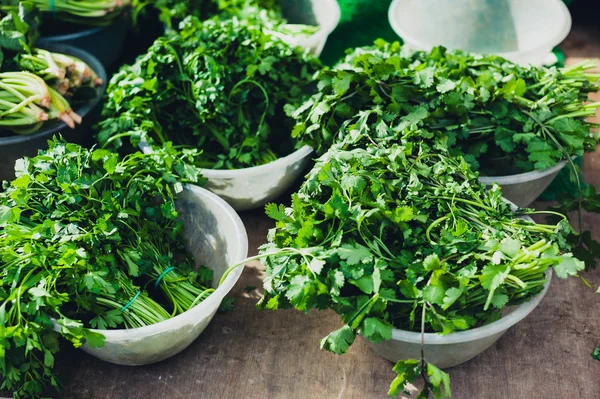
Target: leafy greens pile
18,31
501,117
218,85
403,236
84,238
172,12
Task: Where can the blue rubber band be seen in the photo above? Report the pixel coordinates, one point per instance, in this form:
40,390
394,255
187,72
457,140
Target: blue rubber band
124,308
162,275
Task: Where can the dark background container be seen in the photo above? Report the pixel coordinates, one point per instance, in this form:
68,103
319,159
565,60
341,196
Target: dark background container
105,43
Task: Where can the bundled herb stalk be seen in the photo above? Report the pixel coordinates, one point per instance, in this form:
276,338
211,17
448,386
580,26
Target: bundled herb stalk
501,117
218,85
89,240
403,236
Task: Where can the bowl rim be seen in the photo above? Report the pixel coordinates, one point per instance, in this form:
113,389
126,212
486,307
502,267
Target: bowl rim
55,39
83,110
295,156
524,177
292,158
556,39
474,334
217,295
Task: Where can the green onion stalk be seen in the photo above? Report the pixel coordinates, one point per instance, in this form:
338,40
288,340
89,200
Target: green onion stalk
63,72
26,102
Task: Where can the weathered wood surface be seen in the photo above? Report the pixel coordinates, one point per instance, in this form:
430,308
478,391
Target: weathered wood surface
252,354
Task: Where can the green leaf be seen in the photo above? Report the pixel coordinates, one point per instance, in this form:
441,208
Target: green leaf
365,284
408,371
94,339
492,276
451,296
499,301
316,265
341,83
339,341
275,211
434,294
355,254
432,262
440,381
568,266
375,330
445,85
510,247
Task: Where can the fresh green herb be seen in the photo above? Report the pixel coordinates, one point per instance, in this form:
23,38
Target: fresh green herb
227,304
89,240
596,354
218,85
18,31
172,12
95,13
404,236
503,118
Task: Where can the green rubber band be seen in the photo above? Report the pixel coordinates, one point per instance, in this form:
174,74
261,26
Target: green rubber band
124,308
162,275
51,6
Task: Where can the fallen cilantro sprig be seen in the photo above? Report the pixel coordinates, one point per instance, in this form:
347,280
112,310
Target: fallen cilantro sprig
400,236
218,85
84,238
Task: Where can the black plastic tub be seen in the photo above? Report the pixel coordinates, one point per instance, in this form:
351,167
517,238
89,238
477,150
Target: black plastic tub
17,146
105,43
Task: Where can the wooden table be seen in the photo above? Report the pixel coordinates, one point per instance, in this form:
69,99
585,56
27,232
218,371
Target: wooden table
262,354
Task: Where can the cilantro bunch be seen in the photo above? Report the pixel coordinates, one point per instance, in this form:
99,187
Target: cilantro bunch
501,117
217,85
84,238
404,236
172,12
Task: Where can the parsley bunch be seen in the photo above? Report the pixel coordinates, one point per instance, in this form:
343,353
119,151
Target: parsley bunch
84,237
218,85
501,117
403,236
